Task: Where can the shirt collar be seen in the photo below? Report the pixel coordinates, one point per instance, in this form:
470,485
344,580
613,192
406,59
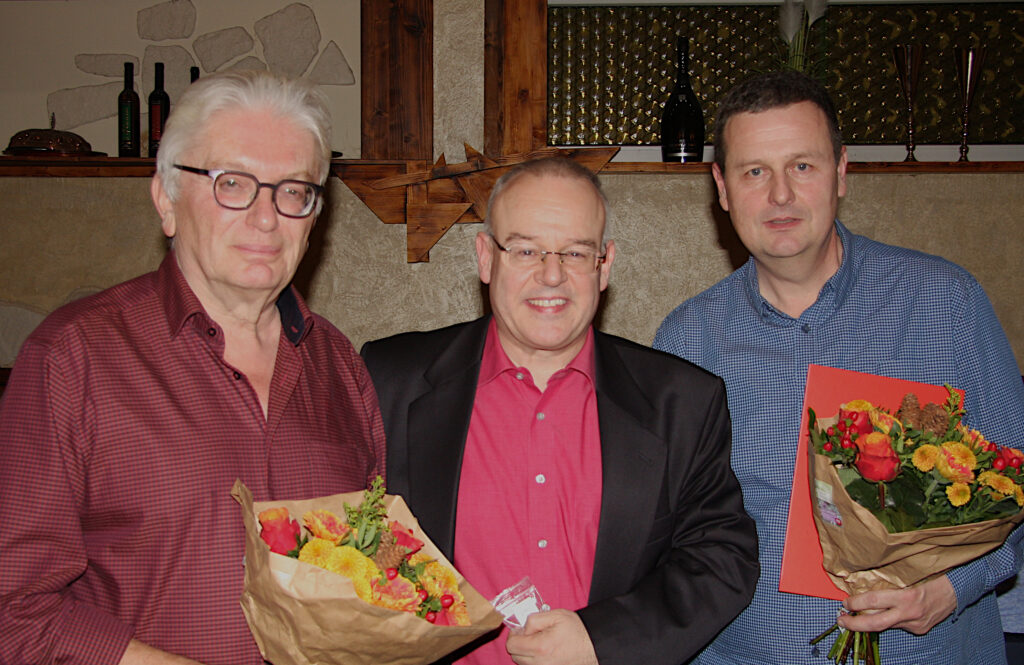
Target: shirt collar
495,361
181,305
832,295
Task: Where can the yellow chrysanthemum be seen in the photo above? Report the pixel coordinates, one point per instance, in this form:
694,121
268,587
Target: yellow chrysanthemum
925,456
351,563
956,462
1018,494
998,482
437,578
317,552
347,561
958,493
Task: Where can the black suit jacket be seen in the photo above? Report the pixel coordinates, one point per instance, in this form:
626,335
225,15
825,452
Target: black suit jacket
676,555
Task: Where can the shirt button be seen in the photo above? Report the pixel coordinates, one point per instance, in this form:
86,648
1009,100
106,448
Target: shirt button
237,376
806,328
542,543
540,478
540,416
519,375
212,332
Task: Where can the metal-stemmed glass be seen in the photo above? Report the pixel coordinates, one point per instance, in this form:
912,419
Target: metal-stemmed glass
908,67
968,68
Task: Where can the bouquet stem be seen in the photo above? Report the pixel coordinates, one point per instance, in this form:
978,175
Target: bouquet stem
862,646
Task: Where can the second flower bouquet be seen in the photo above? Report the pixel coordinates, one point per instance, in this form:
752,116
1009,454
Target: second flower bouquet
356,582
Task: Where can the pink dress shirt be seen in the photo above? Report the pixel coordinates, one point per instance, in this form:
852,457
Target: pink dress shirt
530,489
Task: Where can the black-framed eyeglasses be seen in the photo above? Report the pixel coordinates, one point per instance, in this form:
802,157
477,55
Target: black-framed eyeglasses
236,190
578,260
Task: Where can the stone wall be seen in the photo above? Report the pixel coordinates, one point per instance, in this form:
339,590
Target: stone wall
63,237
66,58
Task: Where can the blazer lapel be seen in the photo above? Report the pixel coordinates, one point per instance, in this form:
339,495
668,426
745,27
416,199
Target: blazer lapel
438,426
633,464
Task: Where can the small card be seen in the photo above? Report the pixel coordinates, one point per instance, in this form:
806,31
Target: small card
519,601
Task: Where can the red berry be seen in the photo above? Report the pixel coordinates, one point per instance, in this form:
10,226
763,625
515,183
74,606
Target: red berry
846,442
447,600
841,426
827,446
423,595
1015,462
999,464
831,431
391,573
431,617
990,447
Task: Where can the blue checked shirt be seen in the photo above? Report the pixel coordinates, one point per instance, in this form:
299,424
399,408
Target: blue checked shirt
888,311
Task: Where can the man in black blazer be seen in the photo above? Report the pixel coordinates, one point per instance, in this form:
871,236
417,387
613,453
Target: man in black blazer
675,555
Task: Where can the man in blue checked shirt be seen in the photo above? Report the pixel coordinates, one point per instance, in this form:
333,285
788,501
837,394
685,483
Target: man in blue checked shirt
812,292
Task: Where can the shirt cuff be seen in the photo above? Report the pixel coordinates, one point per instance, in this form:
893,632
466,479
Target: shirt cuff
92,637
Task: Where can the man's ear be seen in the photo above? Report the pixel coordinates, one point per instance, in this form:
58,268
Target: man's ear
164,206
606,265
484,256
723,198
841,171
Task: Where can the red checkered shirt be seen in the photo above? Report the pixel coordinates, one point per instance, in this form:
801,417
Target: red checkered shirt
122,430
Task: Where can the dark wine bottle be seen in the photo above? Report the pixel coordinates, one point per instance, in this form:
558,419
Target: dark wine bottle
682,122
159,107
128,139
193,74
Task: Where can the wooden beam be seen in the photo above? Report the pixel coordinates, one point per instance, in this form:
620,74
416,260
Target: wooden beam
515,76
397,70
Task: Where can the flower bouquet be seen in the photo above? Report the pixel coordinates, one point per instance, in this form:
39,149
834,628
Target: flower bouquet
356,582
903,496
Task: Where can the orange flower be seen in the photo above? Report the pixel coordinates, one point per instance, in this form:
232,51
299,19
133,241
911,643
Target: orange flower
956,462
958,494
395,594
882,420
278,530
876,460
325,524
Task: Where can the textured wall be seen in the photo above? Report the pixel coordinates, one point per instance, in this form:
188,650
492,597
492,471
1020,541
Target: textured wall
63,234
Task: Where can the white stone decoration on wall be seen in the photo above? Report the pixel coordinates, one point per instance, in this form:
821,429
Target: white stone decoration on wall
288,41
216,48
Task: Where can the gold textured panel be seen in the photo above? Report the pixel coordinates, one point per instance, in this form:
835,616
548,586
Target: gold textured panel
611,69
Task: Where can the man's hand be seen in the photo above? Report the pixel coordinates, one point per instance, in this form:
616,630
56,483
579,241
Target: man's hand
915,609
557,637
139,653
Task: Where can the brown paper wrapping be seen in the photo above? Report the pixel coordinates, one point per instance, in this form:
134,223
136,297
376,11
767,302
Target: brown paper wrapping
301,614
861,555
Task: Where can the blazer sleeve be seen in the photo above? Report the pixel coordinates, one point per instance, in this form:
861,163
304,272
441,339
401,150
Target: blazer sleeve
705,568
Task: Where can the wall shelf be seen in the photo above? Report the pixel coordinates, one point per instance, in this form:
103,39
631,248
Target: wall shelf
143,167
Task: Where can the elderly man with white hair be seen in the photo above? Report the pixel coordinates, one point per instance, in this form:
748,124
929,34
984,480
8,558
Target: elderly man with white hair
130,414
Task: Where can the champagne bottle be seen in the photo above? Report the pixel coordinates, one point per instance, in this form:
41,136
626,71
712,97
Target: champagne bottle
682,122
128,116
159,107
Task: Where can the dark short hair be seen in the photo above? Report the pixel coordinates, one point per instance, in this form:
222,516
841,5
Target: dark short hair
556,166
769,91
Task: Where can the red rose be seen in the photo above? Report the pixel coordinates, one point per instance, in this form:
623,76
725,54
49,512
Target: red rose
404,537
279,530
857,412
876,460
